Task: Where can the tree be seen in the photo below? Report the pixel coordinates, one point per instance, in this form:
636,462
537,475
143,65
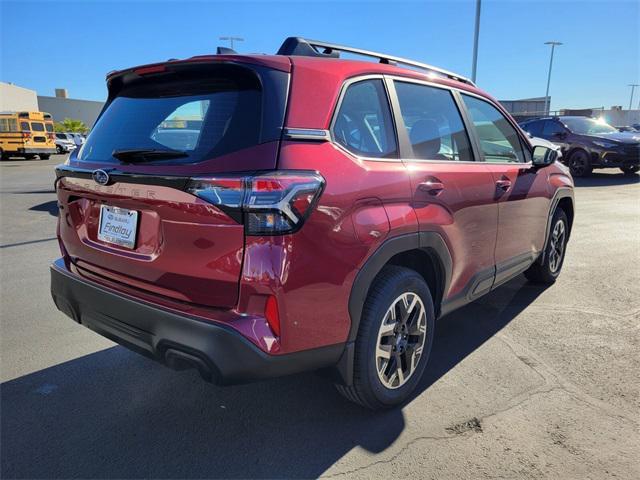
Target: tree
71,125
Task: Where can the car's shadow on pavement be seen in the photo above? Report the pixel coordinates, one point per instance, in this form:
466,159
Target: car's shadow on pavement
116,414
606,179
51,207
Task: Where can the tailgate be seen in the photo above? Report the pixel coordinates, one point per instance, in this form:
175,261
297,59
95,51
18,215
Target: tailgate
125,216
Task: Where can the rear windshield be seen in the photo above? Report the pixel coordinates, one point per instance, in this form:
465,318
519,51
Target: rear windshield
202,116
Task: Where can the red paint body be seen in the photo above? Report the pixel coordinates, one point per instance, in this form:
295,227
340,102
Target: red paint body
192,257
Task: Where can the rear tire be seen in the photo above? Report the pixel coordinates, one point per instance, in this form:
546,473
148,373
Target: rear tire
630,169
547,272
44,156
579,164
394,340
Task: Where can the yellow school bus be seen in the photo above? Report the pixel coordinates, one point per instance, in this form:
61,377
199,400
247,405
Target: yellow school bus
26,134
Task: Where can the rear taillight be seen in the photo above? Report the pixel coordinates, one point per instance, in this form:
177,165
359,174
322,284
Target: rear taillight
272,203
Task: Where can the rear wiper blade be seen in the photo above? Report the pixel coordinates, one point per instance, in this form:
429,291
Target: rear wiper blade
146,155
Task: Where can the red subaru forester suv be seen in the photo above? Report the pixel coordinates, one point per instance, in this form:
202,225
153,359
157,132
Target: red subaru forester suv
260,215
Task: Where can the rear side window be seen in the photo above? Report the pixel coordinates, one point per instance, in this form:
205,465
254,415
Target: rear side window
8,125
363,123
534,128
200,115
552,127
499,141
433,123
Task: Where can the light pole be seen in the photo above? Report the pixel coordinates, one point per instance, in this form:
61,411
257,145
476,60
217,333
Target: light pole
475,42
546,97
633,87
232,39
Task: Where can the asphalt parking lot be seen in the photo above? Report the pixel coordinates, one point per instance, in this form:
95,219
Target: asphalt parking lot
525,383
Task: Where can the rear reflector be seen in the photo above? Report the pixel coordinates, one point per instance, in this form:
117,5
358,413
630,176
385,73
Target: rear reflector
272,315
272,203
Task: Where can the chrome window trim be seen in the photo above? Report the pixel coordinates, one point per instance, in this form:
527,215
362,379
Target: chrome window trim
317,134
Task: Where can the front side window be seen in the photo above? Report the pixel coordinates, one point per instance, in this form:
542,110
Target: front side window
499,141
49,127
24,126
363,123
433,123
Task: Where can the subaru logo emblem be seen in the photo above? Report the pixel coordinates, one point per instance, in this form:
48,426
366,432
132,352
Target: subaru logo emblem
101,177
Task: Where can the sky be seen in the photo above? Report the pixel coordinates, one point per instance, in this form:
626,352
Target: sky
54,44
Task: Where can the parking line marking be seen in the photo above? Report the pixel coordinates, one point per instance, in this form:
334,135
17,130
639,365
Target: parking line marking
28,242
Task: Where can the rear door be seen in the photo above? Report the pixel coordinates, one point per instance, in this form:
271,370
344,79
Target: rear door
452,193
39,134
127,219
521,190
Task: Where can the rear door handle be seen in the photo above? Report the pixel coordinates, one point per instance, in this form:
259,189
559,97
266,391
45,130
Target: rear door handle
503,184
431,186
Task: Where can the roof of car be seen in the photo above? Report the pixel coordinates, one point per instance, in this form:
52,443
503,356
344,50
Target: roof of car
304,52
336,66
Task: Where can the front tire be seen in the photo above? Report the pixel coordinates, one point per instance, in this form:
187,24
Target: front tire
547,272
630,169
394,339
579,164
44,156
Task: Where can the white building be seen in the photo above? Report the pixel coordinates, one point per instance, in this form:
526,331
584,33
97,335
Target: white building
14,99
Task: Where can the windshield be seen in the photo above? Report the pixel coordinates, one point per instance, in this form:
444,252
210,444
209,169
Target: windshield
587,126
203,119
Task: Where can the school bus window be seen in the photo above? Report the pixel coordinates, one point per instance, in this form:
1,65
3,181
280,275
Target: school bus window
8,125
49,127
24,126
37,127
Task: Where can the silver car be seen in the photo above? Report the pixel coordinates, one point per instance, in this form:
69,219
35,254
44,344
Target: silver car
65,143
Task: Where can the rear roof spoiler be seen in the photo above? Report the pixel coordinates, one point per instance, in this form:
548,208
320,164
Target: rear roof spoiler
319,49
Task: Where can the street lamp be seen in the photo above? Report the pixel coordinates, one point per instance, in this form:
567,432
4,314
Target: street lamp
633,87
475,42
232,39
546,97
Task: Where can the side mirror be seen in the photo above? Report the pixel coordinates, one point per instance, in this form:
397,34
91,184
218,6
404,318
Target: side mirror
543,156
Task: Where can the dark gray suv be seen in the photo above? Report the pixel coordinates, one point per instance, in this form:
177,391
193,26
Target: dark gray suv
587,143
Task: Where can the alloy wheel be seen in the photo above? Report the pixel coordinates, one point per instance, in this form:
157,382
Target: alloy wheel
401,340
578,164
557,246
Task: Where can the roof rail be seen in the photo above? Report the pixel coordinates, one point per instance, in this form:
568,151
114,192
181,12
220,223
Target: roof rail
317,48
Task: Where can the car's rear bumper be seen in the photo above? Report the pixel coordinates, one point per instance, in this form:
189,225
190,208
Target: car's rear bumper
36,151
220,354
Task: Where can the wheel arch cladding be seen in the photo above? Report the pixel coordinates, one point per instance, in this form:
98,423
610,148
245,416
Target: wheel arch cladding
566,203
425,252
